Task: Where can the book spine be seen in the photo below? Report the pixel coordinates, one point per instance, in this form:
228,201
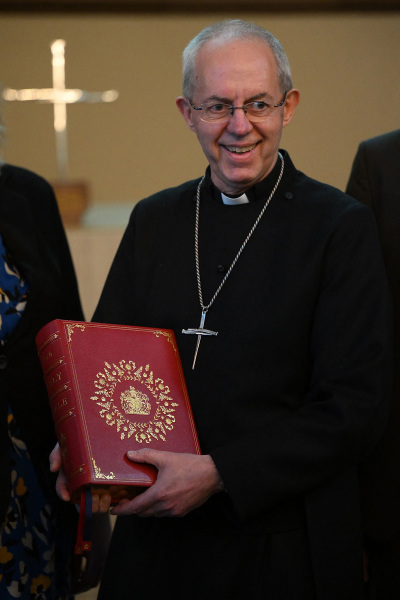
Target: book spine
52,349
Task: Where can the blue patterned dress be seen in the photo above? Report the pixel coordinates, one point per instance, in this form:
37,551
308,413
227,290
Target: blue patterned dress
27,546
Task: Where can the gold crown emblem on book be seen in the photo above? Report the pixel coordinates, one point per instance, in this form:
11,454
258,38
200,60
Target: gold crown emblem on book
134,402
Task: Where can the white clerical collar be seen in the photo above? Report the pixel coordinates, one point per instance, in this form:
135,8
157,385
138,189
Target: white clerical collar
243,199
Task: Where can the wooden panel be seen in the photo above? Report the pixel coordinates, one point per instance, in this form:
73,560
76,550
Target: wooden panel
198,6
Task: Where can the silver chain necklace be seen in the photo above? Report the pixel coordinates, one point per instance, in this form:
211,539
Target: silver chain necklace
200,331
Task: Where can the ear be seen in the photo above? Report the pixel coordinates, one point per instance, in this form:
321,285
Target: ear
292,100
185,109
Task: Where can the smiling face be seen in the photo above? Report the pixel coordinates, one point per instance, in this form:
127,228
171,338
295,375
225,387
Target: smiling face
240,152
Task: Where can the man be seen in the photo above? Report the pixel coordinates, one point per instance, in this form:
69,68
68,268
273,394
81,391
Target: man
289,389
375,181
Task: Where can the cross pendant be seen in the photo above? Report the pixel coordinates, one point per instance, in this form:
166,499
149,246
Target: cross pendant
199,332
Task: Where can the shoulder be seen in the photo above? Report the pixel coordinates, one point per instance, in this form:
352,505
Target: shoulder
166,202
324,211
316,199
171,196
384,142
24,182
325,199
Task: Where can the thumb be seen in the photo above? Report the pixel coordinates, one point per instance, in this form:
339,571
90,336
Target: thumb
144,455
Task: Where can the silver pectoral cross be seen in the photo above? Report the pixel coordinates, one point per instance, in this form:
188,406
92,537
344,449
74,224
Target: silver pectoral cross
199,332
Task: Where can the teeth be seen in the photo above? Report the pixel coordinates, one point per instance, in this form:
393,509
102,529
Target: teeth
240,150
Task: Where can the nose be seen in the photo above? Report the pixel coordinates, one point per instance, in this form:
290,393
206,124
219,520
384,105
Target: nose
239,123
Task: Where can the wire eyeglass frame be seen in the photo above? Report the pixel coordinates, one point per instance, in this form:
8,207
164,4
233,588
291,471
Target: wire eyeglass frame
228,110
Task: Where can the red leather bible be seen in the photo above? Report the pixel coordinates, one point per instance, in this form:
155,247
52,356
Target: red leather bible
114,388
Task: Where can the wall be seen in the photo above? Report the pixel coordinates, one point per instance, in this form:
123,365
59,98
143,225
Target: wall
345,65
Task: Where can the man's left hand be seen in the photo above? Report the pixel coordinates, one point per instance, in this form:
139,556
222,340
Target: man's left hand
184,482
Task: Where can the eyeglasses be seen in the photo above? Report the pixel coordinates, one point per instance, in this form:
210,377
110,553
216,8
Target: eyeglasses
257,110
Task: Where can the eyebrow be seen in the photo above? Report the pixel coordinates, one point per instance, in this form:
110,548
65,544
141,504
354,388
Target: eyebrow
228,101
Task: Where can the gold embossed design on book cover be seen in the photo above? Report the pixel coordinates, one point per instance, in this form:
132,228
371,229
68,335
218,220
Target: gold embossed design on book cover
125,391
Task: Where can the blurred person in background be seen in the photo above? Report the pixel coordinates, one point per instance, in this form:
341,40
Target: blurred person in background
375,181
37,284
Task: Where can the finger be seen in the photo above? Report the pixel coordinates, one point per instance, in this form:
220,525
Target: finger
122,508
55,459
144,502
61,487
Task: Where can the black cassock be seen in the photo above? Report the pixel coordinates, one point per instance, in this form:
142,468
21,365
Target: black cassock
288,398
